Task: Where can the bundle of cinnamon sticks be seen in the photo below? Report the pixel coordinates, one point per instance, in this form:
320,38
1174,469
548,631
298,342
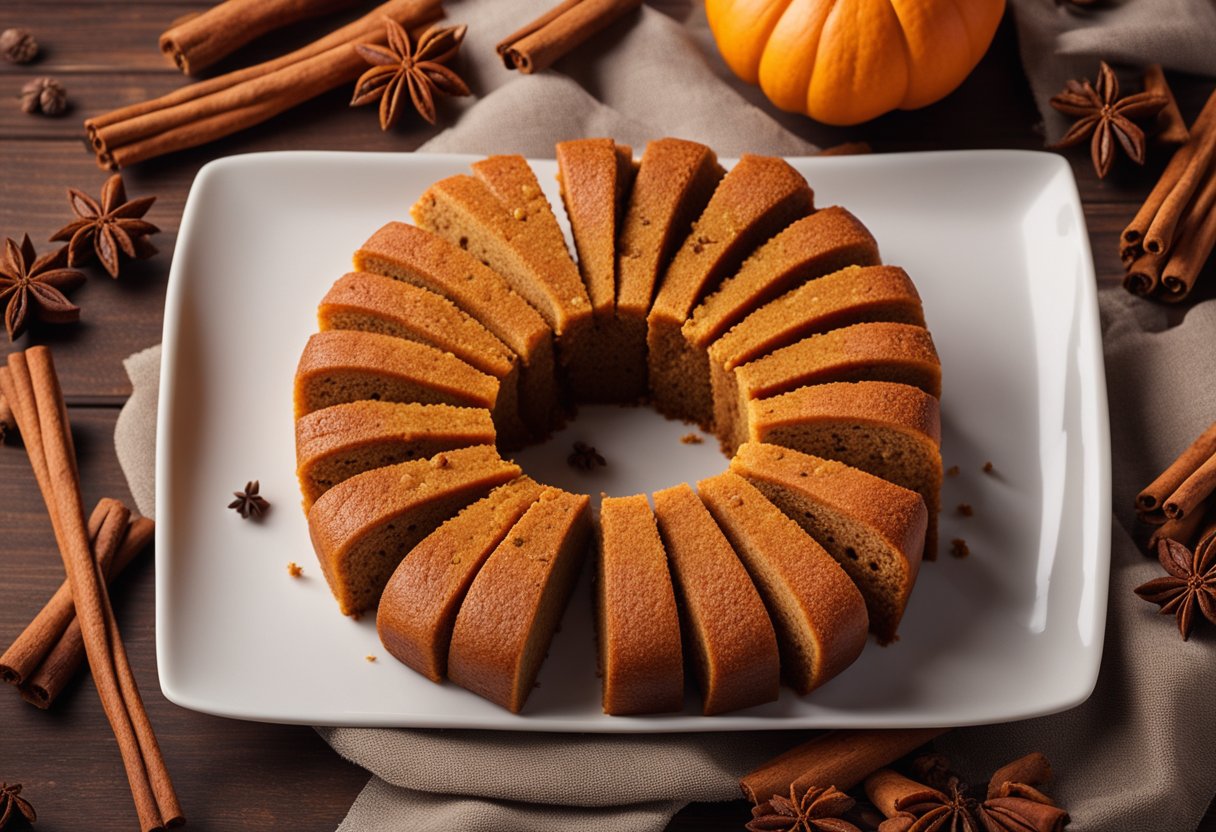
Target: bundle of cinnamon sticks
220,106
1180,499
30,385
1167,243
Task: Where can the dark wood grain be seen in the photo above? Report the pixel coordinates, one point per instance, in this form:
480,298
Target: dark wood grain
237,775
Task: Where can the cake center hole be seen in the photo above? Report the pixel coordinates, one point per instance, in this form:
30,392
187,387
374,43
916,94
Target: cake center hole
643,452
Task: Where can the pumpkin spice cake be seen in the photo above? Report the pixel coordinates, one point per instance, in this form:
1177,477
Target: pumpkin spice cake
595,176
726,628
515,603
819,615
873,528
879,351
501,216
335,443
362,527
410,254
347,365
674,183
890,430
758,197
641,660
375,303
419,605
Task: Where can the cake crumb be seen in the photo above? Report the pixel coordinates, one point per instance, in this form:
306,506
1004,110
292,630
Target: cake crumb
440,461
952,471
959,548
691,439
965,509
989,468
294,569
519,542
518,213
736,500
369,659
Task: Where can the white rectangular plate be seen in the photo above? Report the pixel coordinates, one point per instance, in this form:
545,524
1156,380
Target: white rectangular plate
996,242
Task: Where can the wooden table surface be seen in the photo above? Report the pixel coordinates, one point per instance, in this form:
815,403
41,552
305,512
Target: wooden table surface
240,775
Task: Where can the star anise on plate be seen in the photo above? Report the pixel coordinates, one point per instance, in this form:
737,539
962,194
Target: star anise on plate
402,68
113,227
249,503
1190,584
1106,119
1012,803
584,457
815,810
30,284
12,801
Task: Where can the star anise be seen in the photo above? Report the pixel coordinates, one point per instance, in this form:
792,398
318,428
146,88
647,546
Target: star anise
11,799
815,810
31,283
249,503
1190,584
1012,803
402,65
1106,117
108,229
585,457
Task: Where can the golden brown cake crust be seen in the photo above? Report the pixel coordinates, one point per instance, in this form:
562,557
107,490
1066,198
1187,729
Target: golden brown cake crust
895,516
419,605
758,197
812,601
335,443
641,659
516,601
369,361
725,624
362,527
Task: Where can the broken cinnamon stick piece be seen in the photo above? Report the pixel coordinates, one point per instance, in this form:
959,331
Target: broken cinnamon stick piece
890,792
197,41
838,758
1171,128
555,33
1194,490
1031,770
1195,454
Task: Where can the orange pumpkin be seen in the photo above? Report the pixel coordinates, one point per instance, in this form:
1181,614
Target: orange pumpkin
848,61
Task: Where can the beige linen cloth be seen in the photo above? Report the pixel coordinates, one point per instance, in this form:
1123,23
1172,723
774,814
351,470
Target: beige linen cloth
1138,755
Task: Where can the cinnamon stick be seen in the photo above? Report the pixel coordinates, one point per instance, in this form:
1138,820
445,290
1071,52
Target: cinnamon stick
1143,275
558,31
1185,531
220,106
1139,226
1161,232
838,758
8,424
890,792
1194,490
1195,454
1171,127
28,650
197,41
68,653
31,385
1196,239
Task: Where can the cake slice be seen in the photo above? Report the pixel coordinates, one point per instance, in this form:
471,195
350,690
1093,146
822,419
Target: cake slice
759,196
640,657
890,430
516,601
346,366
418,257
850,296
595,176
819,615
363,527
879,351
419,605
873,528
674,182
375,303
335,443
501,216
726,627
